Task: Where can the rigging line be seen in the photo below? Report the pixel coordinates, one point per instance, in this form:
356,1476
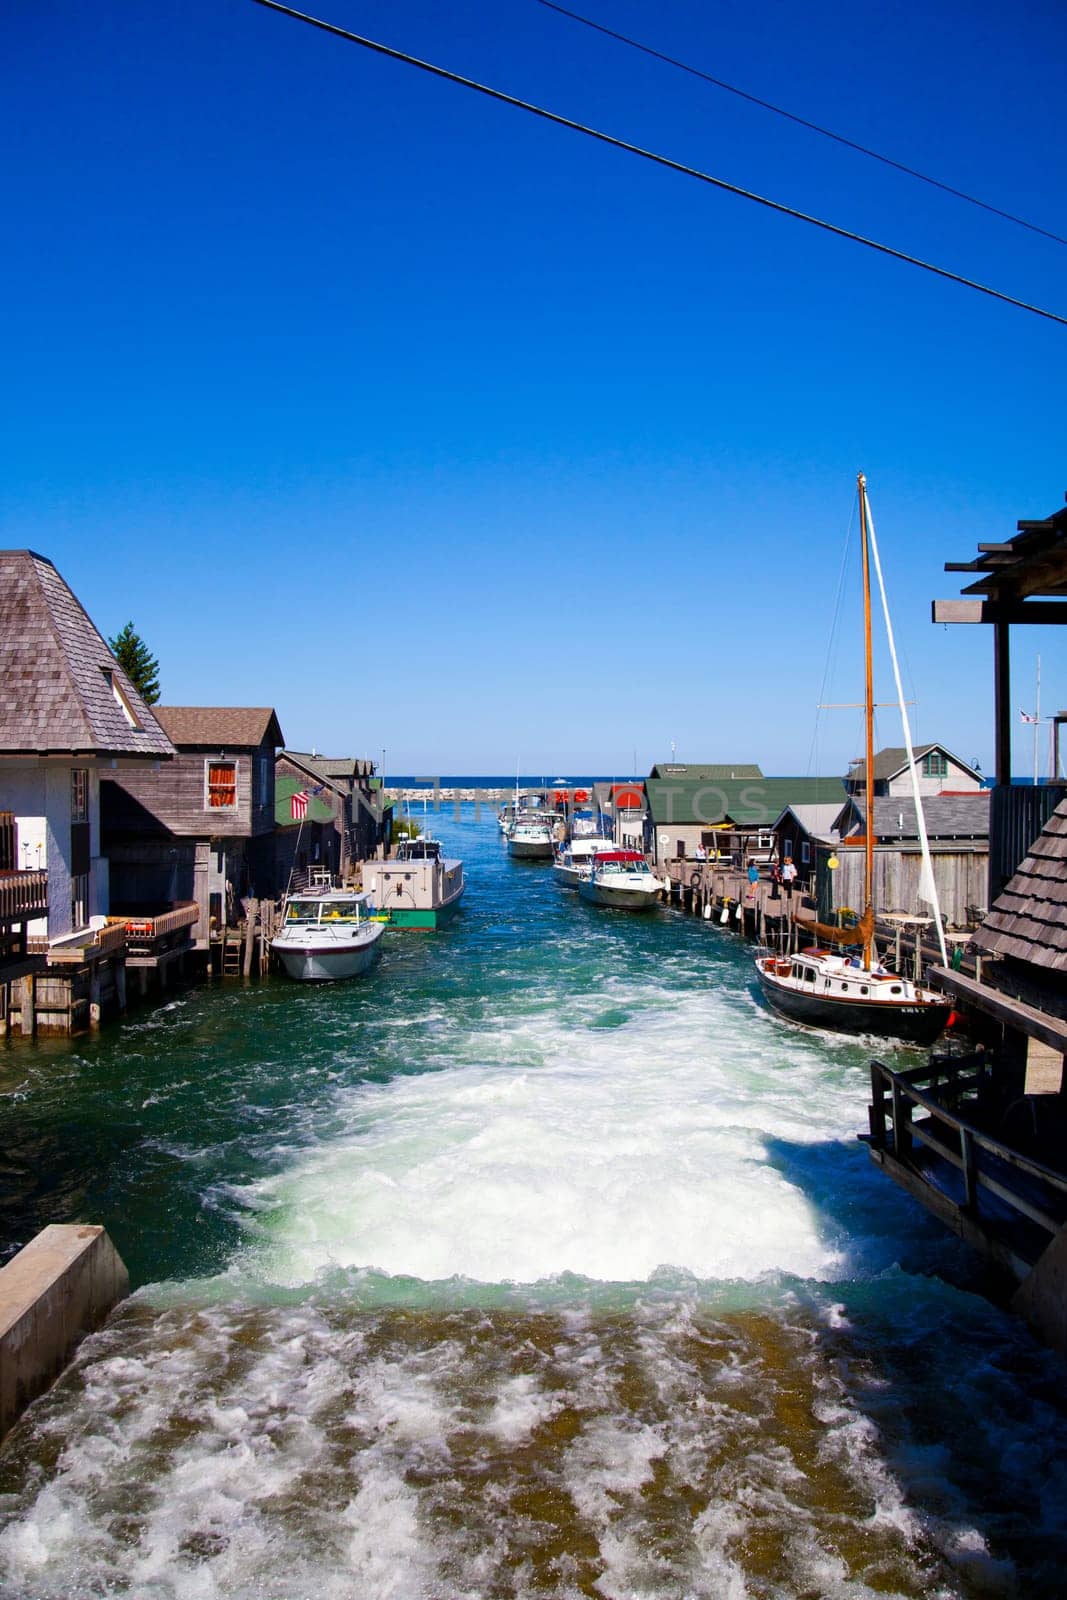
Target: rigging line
803,122
654,157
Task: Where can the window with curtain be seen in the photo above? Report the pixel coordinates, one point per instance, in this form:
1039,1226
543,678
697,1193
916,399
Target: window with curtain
222,785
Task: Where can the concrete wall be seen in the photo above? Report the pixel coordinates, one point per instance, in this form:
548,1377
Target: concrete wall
56,1290
38,792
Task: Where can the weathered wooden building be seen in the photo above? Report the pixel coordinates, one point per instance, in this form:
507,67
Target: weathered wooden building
68,715
939,772
203,828
329,812
957,827
687,815
980,1140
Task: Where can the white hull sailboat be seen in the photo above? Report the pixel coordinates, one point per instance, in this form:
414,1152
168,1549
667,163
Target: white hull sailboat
856,994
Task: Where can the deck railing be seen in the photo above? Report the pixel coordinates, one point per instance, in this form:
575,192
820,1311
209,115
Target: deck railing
1027,1187
165,922
23,895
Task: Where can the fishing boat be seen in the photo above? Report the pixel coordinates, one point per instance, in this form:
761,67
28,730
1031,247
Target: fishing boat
574,861
827,988
327,934
621,879
420,887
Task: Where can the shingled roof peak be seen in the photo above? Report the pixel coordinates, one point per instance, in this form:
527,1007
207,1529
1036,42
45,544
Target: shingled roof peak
58,679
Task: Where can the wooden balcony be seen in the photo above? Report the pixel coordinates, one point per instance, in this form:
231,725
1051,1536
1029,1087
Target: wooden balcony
23,895
91,944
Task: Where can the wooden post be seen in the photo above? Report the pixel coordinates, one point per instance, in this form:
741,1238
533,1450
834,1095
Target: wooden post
1002,700
250,935
901,1125
28,1013
970,1170
120,984
94,995
877,1111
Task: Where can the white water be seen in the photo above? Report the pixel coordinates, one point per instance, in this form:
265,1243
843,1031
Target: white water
588,1290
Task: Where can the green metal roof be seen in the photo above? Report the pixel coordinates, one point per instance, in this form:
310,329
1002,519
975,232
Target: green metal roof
284,789
705,772
740,800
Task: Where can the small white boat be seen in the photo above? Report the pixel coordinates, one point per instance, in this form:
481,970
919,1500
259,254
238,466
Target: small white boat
532,839
574,861
327,934
621,878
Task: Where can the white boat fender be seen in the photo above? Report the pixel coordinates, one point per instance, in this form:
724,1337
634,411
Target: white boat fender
724,915
739,913
707,913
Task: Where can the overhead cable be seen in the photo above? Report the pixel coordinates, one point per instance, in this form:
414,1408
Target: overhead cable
803,122
652,156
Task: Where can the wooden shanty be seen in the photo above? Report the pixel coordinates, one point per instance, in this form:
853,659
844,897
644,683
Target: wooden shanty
981,1139
68,716
1018,582
201,830
329,813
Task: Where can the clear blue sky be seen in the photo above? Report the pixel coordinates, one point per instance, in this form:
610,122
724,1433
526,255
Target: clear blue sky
448,431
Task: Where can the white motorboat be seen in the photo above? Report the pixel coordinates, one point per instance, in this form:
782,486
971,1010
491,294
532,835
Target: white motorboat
327,934
531,839
622,879
574,861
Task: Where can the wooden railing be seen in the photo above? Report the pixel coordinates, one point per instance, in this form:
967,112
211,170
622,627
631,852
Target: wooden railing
87,944
23,895
156,927
1027,1187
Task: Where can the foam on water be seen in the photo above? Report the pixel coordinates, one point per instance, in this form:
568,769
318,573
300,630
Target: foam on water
560,1273
557,1146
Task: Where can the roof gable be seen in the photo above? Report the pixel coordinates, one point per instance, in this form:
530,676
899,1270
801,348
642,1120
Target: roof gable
893,760
224,727
58,679
1028,919
947,816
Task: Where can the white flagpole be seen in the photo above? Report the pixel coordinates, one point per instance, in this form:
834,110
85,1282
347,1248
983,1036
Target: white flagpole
1037,718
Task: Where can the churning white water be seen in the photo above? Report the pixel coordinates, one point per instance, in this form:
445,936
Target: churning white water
560,1273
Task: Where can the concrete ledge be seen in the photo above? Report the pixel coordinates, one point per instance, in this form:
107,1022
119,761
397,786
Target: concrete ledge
56,1290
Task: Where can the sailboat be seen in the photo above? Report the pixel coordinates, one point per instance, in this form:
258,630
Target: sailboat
829,988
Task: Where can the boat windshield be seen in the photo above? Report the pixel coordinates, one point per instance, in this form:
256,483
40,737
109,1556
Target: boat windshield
329,910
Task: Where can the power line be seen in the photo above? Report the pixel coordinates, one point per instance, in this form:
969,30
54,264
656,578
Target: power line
803,122
651,155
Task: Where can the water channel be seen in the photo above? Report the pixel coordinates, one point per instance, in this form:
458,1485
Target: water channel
543,1262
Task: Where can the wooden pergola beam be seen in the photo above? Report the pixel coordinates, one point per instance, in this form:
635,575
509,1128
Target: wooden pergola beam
1045,613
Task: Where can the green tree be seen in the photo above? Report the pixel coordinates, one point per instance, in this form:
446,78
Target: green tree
137,662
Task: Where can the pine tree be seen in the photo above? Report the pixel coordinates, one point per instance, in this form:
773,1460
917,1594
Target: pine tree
139,665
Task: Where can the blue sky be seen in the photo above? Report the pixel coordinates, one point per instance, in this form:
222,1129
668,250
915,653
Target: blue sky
450,432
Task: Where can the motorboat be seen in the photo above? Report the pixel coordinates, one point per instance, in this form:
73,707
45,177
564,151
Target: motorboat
622,879
532,839
420,887
327,934
574,860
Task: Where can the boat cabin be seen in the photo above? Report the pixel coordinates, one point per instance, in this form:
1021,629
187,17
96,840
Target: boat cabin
336,907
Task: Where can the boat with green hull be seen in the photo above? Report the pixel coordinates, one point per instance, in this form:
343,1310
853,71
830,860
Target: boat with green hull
419,888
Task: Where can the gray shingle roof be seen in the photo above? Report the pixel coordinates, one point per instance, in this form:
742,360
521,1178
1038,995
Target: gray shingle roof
332,766
893,760
225,726
56,673
948,816
1028,919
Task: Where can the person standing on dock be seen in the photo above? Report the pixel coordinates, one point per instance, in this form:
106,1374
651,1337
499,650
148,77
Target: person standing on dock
753,879
789,876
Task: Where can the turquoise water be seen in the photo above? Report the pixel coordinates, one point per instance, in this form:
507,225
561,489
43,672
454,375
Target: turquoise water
541,1262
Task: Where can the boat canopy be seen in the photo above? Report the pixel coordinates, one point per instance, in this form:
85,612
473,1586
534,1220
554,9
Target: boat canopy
618,855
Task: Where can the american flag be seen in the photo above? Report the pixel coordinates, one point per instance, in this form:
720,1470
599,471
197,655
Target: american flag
298,805
1027,717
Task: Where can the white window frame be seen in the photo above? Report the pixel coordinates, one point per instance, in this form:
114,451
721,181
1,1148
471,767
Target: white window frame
220,761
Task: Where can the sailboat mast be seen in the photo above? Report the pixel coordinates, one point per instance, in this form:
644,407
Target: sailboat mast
868,843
